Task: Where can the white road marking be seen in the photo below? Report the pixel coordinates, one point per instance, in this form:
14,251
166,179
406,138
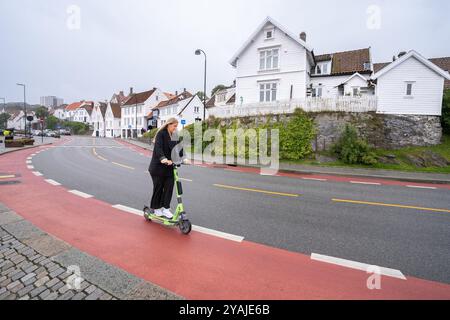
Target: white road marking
365,182
184,179
210,232
28,162
128,209
314,179
218,234
37,173
52,182
81,194
422,187
30,158
357,265
30,167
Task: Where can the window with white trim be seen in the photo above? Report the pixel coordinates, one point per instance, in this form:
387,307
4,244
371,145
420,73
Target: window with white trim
409,89
268,92
317,92
196,109
268,59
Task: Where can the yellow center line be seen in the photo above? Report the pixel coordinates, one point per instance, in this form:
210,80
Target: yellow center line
257,190
390,205
94,151
7,177
122,165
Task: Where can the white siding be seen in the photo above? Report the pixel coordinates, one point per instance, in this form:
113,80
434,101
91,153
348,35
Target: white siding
291,71
329,85
426,93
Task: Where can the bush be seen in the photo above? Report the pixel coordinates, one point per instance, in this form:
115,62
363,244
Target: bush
353,150
150,135
77,127
296,136
446,111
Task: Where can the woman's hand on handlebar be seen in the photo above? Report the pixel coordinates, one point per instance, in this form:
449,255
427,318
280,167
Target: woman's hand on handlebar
167,162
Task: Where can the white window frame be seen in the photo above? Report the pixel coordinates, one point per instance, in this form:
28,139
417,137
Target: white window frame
411,91
265,54
266,91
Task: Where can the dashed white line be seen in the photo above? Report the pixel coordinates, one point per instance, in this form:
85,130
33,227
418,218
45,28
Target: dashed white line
30,158
28,162
358,265
210,232
218,234
366,182
184,179
81,194
52,182
422,187
37,173
315,179
128,209
30,167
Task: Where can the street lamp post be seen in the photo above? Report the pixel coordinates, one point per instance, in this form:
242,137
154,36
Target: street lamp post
135,106
198,52
4,110
24,105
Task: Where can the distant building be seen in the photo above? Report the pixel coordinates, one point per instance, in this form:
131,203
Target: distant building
51,101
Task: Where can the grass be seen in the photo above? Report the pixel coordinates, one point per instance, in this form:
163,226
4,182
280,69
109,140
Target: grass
443,149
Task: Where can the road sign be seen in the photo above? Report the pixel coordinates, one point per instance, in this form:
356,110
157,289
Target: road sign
183,122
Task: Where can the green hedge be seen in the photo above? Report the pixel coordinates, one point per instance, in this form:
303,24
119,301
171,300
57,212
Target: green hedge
295,135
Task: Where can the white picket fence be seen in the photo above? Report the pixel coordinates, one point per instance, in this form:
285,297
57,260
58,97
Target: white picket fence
338,104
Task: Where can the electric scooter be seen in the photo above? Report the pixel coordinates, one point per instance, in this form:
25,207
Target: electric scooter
179,218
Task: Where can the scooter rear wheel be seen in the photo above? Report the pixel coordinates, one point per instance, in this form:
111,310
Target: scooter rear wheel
185,226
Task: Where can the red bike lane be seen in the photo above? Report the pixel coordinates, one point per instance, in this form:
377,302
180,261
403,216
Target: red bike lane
197,266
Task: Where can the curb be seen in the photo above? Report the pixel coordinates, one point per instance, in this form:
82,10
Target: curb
26,148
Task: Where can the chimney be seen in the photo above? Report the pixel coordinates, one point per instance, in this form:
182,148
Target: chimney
131,91
303,36
176,93
121,93
184,89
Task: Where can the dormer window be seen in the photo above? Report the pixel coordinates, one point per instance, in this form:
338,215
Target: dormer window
366,66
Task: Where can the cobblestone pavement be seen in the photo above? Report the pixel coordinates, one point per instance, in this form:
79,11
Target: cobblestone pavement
28,275
35,265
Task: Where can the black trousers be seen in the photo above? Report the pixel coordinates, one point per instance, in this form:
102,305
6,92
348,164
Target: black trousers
162,191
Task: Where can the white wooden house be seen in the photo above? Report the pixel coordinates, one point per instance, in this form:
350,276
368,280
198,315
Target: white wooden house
410,85
185,107
277,72
137,110
112,120
98,119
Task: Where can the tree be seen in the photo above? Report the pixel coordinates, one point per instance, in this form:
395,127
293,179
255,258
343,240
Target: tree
200,94
446,112
52,122
41,113
4,117
217,88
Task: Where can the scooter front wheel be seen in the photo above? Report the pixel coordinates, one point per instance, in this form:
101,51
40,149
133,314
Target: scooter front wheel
185,226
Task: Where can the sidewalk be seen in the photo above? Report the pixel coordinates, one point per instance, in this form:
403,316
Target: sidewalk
37,142
37,266
439,178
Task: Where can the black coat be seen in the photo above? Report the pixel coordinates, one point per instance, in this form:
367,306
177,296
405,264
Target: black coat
163,150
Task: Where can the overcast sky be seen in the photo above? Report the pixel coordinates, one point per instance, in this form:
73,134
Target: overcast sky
142,44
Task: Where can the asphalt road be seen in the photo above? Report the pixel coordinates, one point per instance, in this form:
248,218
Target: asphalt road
283,212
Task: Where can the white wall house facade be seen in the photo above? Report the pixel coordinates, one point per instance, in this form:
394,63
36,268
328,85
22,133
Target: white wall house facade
271,66
411,85
185,107
98,119
277,72
60,113
112,120
137,109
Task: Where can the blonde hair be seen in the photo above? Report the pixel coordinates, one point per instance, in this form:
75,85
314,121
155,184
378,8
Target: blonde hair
164,126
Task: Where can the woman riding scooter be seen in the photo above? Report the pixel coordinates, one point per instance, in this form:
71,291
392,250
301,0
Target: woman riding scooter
161,169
